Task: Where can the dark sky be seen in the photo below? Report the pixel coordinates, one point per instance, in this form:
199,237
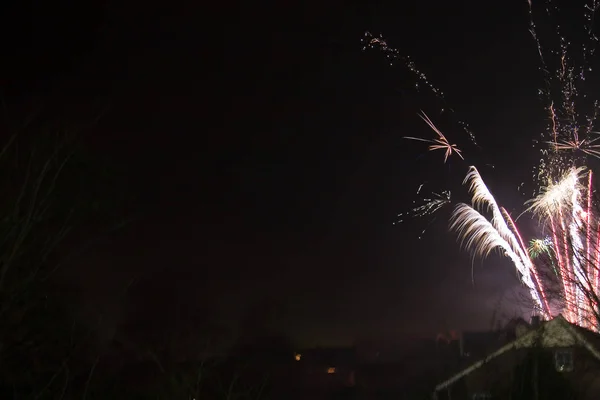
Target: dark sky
267,156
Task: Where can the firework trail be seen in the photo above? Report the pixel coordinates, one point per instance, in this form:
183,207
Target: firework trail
540,293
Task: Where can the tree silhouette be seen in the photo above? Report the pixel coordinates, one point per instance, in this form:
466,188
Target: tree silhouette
52,203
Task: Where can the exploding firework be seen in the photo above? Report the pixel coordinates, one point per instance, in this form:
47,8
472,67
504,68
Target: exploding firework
586,146
562,202
440,143
538,247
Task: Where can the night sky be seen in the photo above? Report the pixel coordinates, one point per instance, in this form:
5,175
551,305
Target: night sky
267,160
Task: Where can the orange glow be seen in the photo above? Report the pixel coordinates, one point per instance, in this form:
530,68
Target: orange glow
331,370
297,356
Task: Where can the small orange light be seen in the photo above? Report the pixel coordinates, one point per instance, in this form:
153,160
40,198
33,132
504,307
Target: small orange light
331,370
297,356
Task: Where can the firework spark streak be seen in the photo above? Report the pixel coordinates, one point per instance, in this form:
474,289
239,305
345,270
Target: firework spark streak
586,146
596,265
550,205
481,237
441,143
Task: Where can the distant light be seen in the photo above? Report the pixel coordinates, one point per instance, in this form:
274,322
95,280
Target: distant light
297,356
331,370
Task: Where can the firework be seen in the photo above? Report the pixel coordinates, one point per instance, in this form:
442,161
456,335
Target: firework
562,202
481,237
563,198
441,143
586,146
427,206
543,247
431,204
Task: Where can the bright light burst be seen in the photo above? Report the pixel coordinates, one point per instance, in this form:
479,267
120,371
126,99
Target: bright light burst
557,196
479,235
